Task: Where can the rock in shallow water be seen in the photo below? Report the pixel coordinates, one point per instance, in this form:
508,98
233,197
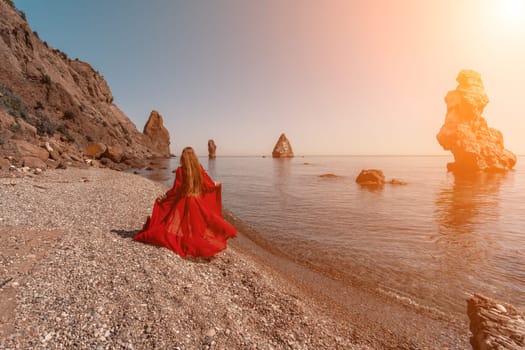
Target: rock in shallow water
371,177
475,146
494,325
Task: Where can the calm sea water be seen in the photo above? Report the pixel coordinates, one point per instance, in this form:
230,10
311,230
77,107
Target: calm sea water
434,241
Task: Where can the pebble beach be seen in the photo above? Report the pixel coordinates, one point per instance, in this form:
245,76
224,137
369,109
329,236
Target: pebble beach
72,277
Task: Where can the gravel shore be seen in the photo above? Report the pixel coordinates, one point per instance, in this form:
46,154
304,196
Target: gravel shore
71,277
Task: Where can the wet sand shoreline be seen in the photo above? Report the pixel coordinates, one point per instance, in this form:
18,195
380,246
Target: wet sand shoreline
247,297
381,321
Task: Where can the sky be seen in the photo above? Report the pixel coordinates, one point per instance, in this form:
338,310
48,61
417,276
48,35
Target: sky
338,77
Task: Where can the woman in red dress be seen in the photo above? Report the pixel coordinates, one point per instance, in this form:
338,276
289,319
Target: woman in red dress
188,218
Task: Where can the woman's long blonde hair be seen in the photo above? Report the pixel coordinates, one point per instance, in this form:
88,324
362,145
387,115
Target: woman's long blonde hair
191,168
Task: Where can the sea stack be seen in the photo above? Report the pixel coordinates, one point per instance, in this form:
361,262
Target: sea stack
157,134
282,148
465,133
212,147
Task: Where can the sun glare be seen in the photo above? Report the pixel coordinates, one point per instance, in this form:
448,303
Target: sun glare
512,11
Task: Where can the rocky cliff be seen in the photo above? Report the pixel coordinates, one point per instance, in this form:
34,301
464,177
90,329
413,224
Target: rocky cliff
58,104
476,146
282,148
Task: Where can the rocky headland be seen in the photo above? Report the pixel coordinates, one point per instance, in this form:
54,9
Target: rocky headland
57,111
282,148
475,146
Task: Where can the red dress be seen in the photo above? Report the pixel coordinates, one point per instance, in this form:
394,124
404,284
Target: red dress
188,225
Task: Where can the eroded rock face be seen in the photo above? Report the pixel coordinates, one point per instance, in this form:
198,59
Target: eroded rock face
46,96
495,325
158,135
475,146
371,177
212,147
282,148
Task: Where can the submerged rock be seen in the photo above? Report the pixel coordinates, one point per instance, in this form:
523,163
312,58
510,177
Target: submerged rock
396,182
371,177
329,176
475,146
282,148
212,147
495,325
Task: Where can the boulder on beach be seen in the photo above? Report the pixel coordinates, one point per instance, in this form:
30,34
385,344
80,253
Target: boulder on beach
26,149
4,164
33,162
371,177
212,147
495,325
158,135
115,153
475,146
96,150
282,148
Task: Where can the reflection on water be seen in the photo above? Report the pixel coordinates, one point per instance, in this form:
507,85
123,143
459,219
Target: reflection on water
467,215
469,202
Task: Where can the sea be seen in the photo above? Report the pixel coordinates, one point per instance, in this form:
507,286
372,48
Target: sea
433,242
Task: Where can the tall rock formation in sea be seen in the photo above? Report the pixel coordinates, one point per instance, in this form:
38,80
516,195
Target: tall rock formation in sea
475,146
212,148
282,148
158,135
59,104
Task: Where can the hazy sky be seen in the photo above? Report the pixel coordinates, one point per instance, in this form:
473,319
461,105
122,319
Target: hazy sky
338,77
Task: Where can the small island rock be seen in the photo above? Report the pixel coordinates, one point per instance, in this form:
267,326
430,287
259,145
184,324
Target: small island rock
328,176
475,146
282,148
212,147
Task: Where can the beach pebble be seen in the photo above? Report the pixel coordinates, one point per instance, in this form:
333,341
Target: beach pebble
501,308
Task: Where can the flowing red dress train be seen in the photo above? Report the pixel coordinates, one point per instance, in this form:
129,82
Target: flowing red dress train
188,225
